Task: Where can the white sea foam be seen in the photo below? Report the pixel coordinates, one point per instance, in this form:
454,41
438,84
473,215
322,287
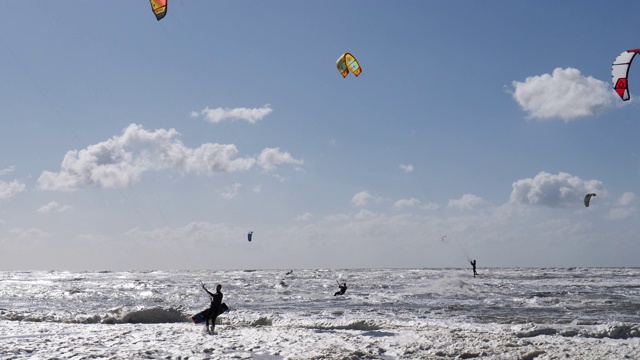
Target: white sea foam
385,314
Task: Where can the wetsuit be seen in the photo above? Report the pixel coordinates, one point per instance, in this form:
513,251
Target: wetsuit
214,309
343,289
473,263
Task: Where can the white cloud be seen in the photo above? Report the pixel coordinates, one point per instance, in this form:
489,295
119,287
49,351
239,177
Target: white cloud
9,189
220,114
623,209
53,207
430,206
561,190
564,94
620,213
626,199
270,157
466,202
405,203
304,217
362,198
120,161
8,170
406,168
32,234
231,191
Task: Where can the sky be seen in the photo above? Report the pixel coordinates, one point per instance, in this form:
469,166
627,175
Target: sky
132,143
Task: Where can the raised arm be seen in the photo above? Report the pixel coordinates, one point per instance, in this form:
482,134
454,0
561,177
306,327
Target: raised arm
205,289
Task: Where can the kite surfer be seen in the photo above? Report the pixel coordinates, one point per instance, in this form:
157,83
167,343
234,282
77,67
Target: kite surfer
214,309
473,264
343,289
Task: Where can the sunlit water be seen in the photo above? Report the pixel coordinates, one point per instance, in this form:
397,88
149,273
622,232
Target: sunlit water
567,302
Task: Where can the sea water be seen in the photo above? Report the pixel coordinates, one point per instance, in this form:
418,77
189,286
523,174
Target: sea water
504,313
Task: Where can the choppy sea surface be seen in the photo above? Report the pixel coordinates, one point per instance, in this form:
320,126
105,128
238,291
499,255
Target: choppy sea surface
504,313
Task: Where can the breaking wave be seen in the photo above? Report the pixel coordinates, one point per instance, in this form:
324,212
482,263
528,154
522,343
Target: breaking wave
609,331
154,315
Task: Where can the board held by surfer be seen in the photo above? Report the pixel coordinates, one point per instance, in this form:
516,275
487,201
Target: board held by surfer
214,309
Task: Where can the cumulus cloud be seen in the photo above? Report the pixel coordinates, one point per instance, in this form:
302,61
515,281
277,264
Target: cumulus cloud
624,208
270,157
9,189
406,168
53,207
466,202
221,114
556,191
626,199
405,203
362,198
120,161
565,94
431,206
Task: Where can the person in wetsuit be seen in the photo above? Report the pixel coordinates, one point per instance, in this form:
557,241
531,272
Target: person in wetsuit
343,289
473,264
214,309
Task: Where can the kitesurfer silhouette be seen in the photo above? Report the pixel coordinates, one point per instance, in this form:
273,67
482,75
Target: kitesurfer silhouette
214,309
473,263
343,289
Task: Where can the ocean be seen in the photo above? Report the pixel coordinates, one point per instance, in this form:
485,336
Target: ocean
504,313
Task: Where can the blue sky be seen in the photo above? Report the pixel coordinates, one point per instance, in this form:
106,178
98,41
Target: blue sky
130,143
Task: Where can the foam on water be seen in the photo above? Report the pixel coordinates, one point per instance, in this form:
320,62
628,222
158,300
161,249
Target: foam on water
386,314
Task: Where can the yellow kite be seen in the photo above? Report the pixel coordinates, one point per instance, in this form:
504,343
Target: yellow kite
348,62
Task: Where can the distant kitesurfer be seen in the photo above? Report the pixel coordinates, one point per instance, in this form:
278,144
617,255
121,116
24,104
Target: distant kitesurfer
343,289
473,263
214,309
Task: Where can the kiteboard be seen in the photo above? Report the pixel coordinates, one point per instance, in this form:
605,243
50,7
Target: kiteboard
199,318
